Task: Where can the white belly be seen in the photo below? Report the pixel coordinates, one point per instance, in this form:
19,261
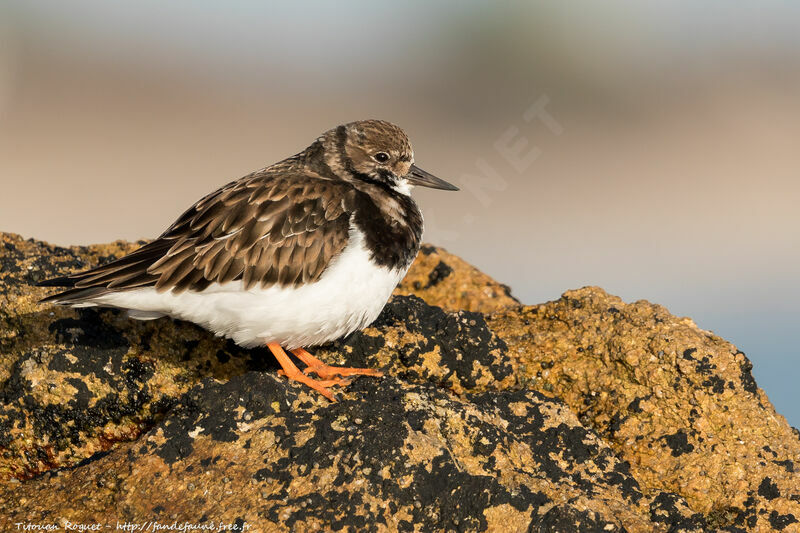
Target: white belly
349,296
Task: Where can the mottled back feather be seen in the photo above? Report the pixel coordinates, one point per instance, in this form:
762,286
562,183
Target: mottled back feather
264,229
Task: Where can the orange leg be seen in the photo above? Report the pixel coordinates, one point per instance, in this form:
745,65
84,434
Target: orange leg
326,372
291,371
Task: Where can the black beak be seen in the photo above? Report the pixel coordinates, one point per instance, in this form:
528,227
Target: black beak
417,176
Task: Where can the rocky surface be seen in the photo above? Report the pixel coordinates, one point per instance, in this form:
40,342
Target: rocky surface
389,455
451,283
583,414
679,404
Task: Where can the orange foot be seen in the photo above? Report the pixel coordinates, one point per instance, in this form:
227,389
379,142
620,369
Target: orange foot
327,372
291,371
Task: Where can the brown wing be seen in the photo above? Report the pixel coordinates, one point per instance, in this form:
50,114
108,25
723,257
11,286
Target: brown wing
264,229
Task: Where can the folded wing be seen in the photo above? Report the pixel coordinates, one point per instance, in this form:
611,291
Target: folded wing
263,230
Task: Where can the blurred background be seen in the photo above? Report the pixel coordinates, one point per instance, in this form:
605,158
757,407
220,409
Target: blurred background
648,148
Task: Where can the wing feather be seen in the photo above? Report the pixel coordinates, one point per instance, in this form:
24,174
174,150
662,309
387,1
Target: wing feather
265,229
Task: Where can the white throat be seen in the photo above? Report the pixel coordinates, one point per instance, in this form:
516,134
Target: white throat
403,187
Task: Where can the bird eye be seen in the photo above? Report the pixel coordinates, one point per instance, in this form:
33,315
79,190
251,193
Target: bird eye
381,157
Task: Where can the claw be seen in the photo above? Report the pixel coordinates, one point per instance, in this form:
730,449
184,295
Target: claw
326,372
293,373
330,375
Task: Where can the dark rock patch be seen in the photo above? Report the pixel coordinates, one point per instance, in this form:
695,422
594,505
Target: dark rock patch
768,489
678,443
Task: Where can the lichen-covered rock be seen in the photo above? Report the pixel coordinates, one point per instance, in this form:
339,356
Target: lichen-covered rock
416,341
676,402
662,426
390,456
445,280
76,382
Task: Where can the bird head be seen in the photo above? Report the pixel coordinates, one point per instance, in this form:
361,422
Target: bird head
377,152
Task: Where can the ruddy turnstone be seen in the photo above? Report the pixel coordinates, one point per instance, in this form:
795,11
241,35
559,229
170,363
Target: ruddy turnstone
296,254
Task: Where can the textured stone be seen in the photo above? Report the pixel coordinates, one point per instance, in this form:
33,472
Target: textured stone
677,402
443,279
389,456
661,428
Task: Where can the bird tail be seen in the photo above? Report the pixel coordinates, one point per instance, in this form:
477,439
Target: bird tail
128,272
73,295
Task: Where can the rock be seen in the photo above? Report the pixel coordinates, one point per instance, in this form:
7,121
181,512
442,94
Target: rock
445,280
390,455
679,404
661,428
